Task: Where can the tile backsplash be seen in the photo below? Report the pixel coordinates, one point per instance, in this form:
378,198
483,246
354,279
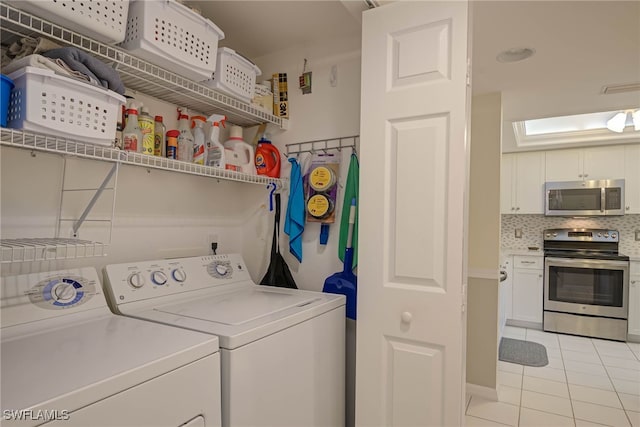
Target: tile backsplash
532,227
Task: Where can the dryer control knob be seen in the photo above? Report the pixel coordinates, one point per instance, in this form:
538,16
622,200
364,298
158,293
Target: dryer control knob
159,278
63,292
221,269
136,280
179,275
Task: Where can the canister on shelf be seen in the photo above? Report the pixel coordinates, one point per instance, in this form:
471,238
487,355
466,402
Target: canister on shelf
172,144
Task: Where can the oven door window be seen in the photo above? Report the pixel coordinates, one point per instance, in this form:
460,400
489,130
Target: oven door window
601,287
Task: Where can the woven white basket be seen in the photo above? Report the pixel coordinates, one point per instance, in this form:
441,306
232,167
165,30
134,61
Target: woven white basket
235,75
45,102
172,36
104,21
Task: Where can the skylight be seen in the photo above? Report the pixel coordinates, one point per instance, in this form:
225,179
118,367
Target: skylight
574,129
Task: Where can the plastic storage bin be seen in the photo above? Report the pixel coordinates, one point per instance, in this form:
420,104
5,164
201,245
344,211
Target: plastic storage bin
235,75
45,102
105,21
174,37
6,84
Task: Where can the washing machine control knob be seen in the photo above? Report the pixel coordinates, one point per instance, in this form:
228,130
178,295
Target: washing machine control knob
179,275
63,292
159,278
221,269
136,280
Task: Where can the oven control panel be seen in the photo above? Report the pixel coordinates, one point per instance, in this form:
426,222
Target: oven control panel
581,235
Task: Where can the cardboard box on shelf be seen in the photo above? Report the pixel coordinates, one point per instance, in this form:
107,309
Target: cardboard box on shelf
280,95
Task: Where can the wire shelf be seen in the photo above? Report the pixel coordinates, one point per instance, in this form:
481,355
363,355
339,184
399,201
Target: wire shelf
26,250
138,74
52,144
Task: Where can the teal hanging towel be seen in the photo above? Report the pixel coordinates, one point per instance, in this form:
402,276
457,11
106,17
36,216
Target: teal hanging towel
350,192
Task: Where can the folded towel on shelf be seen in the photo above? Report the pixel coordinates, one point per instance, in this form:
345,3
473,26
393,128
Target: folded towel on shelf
40,61
87,64
27,46
295,217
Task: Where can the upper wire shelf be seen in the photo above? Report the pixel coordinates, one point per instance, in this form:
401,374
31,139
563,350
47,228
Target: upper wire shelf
44,249
324,145
39,142
138,74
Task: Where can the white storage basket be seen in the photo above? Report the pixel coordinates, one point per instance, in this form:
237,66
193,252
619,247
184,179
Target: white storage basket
172,36
45,102
235,75
105,21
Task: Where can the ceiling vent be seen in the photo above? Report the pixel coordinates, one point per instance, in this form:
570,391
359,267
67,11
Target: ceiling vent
613,89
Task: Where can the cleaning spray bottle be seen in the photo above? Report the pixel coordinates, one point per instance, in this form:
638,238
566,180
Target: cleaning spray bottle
215,150
199,143
267,158
240,155
185,139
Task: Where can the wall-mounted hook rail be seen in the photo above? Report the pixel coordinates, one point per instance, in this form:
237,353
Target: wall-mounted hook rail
324,145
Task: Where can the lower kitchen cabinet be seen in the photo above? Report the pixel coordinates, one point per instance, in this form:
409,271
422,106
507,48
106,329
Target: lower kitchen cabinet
527,288
634,302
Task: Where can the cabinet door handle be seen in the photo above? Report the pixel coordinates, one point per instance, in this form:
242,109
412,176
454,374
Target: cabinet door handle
527,262
517,209
539,275
580,176
628,207
585,175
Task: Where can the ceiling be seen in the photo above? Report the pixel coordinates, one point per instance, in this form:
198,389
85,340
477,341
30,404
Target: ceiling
580,46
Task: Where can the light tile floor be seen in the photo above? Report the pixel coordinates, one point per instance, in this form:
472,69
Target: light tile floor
588,382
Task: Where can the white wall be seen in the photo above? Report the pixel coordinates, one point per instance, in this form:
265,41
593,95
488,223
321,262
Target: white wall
328,112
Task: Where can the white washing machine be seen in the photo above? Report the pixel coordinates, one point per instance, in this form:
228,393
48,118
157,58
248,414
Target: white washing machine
283,350
67,360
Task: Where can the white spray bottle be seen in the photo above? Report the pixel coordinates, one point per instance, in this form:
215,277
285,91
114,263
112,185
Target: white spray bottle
215,150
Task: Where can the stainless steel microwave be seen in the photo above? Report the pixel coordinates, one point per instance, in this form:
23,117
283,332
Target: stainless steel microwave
585,198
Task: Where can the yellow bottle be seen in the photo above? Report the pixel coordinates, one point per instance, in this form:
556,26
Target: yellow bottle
146,123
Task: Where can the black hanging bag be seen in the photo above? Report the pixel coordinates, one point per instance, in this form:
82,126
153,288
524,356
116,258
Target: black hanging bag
278,273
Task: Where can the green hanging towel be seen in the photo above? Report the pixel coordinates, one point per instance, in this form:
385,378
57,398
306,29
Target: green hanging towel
350,192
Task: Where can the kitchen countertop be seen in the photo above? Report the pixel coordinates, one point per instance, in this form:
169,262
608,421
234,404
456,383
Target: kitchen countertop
509,251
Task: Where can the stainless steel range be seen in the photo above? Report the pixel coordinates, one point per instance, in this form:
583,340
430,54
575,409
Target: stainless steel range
586,283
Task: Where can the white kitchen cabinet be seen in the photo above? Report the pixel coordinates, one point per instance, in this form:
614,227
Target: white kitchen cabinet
583,164
634,302
505,294
522,183
527,289
632,179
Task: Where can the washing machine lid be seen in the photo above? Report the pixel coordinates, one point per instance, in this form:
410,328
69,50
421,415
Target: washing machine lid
247,314
76,365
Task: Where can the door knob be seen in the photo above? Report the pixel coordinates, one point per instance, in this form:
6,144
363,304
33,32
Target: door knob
406,317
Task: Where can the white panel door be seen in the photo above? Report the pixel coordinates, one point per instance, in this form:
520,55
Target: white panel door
529,172
632,179
507,184
564,165
414,164
604,163
527,295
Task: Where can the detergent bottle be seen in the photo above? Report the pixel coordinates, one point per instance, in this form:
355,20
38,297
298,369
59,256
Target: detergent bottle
240,156
215,150
185,139
267,158
199,143
146,125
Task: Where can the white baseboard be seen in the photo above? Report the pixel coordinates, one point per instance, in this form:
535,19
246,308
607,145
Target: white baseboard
633,338
482,391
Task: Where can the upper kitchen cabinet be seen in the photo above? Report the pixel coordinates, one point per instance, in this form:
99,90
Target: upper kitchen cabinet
632,179
522,183
584,164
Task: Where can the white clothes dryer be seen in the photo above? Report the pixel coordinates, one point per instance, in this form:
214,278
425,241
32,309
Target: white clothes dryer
283,350
67,360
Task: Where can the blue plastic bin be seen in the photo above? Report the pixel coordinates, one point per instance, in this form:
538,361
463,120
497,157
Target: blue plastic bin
6,84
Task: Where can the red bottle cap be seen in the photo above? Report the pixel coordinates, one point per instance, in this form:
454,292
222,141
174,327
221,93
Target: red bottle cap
158,118
173,133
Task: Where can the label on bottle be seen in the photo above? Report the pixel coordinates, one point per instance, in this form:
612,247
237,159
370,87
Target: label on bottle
198,154
131,142
172,147
157,143
146,127
214,157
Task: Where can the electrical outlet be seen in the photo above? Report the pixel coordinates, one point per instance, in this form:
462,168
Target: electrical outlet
518,233
638,235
